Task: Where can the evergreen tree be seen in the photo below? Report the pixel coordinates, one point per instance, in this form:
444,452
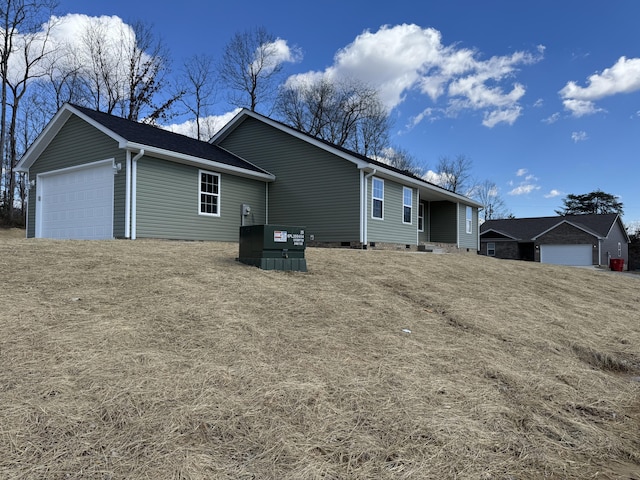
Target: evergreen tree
597,202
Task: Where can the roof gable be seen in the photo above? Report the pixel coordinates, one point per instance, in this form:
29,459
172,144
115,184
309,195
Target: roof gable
361,161
528,229
137,136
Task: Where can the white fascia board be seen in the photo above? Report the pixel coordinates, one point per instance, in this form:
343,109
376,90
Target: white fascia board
196,161
441,192
41,142
361,164
499,233
618,221
52,129
584,229
229,127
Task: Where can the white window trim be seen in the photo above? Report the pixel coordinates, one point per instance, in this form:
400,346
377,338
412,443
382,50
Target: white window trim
404,205
200,192
374,198
494,249
421,216
469,220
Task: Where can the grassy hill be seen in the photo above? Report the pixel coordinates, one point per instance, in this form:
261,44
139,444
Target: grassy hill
170,360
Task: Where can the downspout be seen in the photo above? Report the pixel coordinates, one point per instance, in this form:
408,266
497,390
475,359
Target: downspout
266,203
363,205
458,225
127,196
134,183
417,223
478,232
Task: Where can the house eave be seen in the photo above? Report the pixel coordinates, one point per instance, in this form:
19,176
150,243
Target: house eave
435,192
195,161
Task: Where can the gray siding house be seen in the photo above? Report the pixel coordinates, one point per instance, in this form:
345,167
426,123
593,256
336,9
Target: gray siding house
97,176
343,198
565,240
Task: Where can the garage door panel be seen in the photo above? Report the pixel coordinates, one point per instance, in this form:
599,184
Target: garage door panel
575,255
78,204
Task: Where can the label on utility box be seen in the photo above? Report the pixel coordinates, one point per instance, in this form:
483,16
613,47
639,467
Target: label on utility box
280,236
298,238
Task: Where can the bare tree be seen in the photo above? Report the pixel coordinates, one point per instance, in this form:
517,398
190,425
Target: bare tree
488,194
251,67
23,46
198,91
347,113
401,159
455,174
125,71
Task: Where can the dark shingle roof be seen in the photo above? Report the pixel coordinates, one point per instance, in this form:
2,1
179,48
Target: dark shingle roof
526,229
156,137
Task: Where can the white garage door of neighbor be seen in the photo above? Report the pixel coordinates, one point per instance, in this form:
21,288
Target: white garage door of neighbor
77,204
566,254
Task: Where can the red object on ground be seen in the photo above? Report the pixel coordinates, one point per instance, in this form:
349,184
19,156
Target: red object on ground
616,264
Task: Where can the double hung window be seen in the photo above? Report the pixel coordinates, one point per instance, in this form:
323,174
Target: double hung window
407,205
377,202
209,195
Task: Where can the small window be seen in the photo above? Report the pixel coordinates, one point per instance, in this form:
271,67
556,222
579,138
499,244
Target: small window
619,249
377,204
469,220
209,194
407,205
421,217
491,249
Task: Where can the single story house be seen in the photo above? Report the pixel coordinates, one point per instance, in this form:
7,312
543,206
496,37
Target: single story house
98,176
589,239
345,198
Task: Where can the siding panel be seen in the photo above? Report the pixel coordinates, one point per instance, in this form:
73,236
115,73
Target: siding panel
78,143
391,229
468,240
313,188
167,203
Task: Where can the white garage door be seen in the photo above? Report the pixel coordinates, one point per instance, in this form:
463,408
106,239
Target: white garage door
76,204
566,254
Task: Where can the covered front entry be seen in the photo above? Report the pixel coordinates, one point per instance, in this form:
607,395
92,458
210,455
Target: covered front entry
76,203
577,255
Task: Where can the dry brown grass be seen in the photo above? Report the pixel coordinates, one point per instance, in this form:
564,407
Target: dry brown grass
169,360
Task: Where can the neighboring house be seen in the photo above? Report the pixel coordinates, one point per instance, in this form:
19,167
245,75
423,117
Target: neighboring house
565,240
95,176
343,198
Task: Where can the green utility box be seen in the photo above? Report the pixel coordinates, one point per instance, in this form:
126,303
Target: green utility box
273,247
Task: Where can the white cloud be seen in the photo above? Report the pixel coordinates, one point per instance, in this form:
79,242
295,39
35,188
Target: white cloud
524,188
509,116
408,58
278,52
579,136
552,119
209,126
435,178
553,193
526,185
622,77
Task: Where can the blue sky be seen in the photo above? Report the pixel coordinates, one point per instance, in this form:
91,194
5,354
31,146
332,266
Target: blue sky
543,97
